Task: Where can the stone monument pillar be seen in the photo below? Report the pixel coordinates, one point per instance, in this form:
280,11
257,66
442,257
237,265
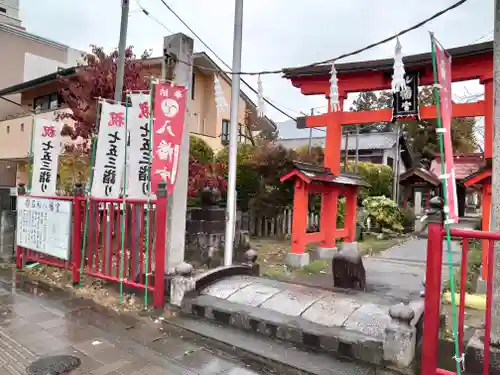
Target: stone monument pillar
178,47
418,203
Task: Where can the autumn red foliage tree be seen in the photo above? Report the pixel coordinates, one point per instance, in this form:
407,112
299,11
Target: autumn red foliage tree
205,175
96,79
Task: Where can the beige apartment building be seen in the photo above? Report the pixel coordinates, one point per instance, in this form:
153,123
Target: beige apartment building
25,57
41,94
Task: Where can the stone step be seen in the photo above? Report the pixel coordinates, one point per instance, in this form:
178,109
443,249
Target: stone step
283,357
363,343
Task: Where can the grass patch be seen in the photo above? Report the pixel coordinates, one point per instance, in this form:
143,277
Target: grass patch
279,273
314,268
272,258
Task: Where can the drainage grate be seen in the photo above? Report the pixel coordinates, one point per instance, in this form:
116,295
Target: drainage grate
54,365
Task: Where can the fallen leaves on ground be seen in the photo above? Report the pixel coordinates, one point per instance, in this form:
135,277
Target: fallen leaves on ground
96,289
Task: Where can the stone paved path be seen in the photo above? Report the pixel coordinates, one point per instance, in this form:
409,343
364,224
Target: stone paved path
400,270
34,325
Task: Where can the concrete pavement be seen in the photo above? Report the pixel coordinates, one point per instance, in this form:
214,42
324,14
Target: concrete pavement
398,272
34,324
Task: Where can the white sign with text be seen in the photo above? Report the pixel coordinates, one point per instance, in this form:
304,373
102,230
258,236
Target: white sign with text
44,225
110,153
46,150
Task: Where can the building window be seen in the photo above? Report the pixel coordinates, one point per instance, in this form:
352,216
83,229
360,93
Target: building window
224,136
193,85
22,127
8,129
47,102
390,162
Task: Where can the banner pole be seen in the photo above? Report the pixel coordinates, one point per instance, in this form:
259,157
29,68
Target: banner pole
30,157
124,203
446,223
88,189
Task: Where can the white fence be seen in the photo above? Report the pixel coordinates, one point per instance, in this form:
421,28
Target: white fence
281,225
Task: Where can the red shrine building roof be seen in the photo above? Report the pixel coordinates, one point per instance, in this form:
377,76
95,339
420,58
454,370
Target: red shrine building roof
465,165
310,173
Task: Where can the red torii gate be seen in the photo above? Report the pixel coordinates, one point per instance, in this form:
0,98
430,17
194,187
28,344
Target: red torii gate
468,63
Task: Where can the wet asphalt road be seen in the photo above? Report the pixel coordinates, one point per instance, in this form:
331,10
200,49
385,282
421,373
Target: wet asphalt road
35,323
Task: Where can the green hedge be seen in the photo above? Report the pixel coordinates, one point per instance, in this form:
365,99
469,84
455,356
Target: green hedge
247,179
200,150
379,177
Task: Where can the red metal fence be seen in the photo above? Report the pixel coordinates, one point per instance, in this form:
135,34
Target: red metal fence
436,235
144,243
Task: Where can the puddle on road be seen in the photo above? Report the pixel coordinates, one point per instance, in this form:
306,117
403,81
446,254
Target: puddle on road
54,365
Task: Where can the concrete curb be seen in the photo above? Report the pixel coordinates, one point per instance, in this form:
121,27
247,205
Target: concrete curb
282,356
339,342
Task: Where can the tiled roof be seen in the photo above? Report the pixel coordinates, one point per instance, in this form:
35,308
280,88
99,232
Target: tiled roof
465,165
367,141
370,141
294,143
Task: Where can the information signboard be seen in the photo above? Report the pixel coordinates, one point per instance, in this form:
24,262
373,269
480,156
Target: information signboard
44,225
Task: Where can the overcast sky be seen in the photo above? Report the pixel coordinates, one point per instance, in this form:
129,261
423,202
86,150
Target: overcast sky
276,33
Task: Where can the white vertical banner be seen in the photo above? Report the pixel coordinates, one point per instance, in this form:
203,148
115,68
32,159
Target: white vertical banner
139,150
46,149
110,152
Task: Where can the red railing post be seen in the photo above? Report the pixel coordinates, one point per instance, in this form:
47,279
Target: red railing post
76,248
463,291
489,295
21,190
160,233
432,298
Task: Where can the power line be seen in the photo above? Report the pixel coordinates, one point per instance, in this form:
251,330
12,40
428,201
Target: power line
416,26
268,101
353,53
143,10
482,37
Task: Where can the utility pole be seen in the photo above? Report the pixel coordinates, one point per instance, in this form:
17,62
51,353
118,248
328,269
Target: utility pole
233,134
495,188
309,147
120,66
